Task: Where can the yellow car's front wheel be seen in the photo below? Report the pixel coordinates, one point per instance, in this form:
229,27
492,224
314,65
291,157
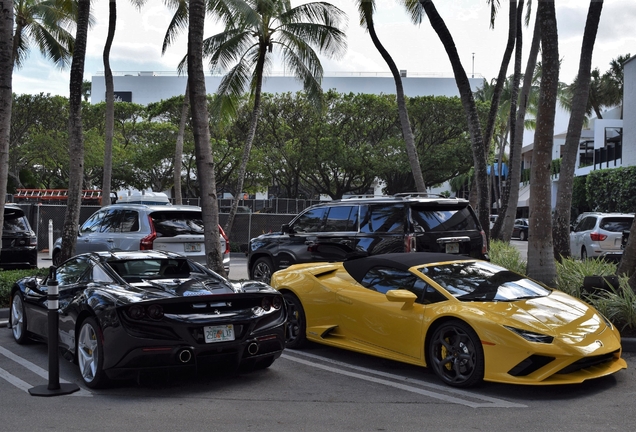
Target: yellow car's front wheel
455,354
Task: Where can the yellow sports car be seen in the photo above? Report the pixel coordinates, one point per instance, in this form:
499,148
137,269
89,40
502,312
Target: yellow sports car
469,320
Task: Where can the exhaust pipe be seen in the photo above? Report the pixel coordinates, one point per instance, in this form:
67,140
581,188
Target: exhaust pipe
184,356
252,348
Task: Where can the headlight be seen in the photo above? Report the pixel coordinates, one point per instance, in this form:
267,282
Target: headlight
531,336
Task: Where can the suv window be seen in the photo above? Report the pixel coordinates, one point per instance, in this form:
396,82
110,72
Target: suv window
92,224
442,219
616,224
174,223
382,218
15,222
342,218
310,221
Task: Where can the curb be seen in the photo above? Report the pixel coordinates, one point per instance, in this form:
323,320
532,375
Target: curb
628,344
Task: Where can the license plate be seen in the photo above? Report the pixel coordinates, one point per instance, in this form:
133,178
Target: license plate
452,248
192,247
218,333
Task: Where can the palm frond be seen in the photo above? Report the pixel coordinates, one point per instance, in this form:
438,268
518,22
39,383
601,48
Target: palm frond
178,23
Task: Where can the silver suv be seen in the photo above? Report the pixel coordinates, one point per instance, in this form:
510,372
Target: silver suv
129,227
599,235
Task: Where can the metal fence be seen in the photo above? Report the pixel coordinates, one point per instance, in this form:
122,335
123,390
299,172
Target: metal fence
245,227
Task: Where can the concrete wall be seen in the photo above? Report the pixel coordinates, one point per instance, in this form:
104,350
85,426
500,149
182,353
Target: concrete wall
629,113
147,87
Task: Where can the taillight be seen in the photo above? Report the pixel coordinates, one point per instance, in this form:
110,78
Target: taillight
227,240
484,243
33,241
597,236
409,243
146,242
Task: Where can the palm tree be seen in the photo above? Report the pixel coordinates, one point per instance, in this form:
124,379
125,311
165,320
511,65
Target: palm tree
201,130
76,135
110,100
43,24
6,71
366,9
541,265
244,49
468,102
569,153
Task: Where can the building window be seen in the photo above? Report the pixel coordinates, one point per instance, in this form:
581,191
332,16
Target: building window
586,154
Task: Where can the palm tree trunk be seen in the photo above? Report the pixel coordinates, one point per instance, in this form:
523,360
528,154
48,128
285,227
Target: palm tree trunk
468,102
6,99
256,112
501,77
541,264
110,105
76,135
511,192
502,229
201,131
178,150
562,211
407,132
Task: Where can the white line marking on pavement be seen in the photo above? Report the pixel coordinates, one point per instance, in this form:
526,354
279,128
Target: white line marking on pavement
22,385
35,369
467,398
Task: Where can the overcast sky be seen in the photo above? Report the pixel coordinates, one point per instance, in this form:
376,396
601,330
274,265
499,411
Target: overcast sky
137,44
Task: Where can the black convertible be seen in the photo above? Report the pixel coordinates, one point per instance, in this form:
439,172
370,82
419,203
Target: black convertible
120,312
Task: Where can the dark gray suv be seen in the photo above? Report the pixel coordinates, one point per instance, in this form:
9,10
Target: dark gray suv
343,229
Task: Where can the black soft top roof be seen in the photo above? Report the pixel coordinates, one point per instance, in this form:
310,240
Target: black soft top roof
358,268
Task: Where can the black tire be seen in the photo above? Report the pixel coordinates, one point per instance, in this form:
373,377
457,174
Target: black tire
18,318
295,332
262,270
522,236
455,354
56,258
90,354
583,253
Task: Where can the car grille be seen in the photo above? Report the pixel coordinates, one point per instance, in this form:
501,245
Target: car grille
587,362
530,364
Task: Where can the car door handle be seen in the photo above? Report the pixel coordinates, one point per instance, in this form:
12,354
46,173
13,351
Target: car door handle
110,240
344,299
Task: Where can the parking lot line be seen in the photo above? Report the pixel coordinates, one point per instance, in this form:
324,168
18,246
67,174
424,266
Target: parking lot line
33,368
445,393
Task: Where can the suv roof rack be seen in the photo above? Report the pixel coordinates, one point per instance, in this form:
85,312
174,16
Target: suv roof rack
419,194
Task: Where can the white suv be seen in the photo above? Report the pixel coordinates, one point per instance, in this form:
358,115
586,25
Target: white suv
599,235
129,227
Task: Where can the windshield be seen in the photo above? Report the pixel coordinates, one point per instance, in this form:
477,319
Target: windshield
482,281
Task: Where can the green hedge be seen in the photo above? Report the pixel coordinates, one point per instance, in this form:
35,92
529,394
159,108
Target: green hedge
9,277
612,190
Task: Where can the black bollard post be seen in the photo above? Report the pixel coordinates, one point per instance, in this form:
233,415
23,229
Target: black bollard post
54,388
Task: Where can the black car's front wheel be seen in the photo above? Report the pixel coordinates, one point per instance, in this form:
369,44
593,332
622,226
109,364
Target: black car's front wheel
57,255
262,270
296,324
90,354
456,355
18,319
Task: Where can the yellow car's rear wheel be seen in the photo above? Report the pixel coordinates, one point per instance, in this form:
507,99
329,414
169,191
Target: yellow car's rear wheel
295,332
456,355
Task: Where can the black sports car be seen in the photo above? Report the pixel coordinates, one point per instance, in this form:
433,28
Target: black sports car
120,312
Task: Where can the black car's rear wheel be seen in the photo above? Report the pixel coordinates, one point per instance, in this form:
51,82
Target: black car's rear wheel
57,255
295,331
90,354
455,354
18,319
262,270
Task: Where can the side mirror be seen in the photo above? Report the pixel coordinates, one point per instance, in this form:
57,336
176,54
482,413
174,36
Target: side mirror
401,296
32,284
286,229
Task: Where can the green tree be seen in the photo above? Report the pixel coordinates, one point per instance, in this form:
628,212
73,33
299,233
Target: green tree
244,49
44,24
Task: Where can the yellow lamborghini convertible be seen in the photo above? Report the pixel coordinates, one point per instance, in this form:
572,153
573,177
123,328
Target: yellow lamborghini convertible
469,320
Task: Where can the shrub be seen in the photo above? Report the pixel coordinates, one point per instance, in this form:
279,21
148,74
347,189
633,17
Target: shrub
506,255
570,273
618,305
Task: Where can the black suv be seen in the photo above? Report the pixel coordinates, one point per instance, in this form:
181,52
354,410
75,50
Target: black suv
19,243
348,228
